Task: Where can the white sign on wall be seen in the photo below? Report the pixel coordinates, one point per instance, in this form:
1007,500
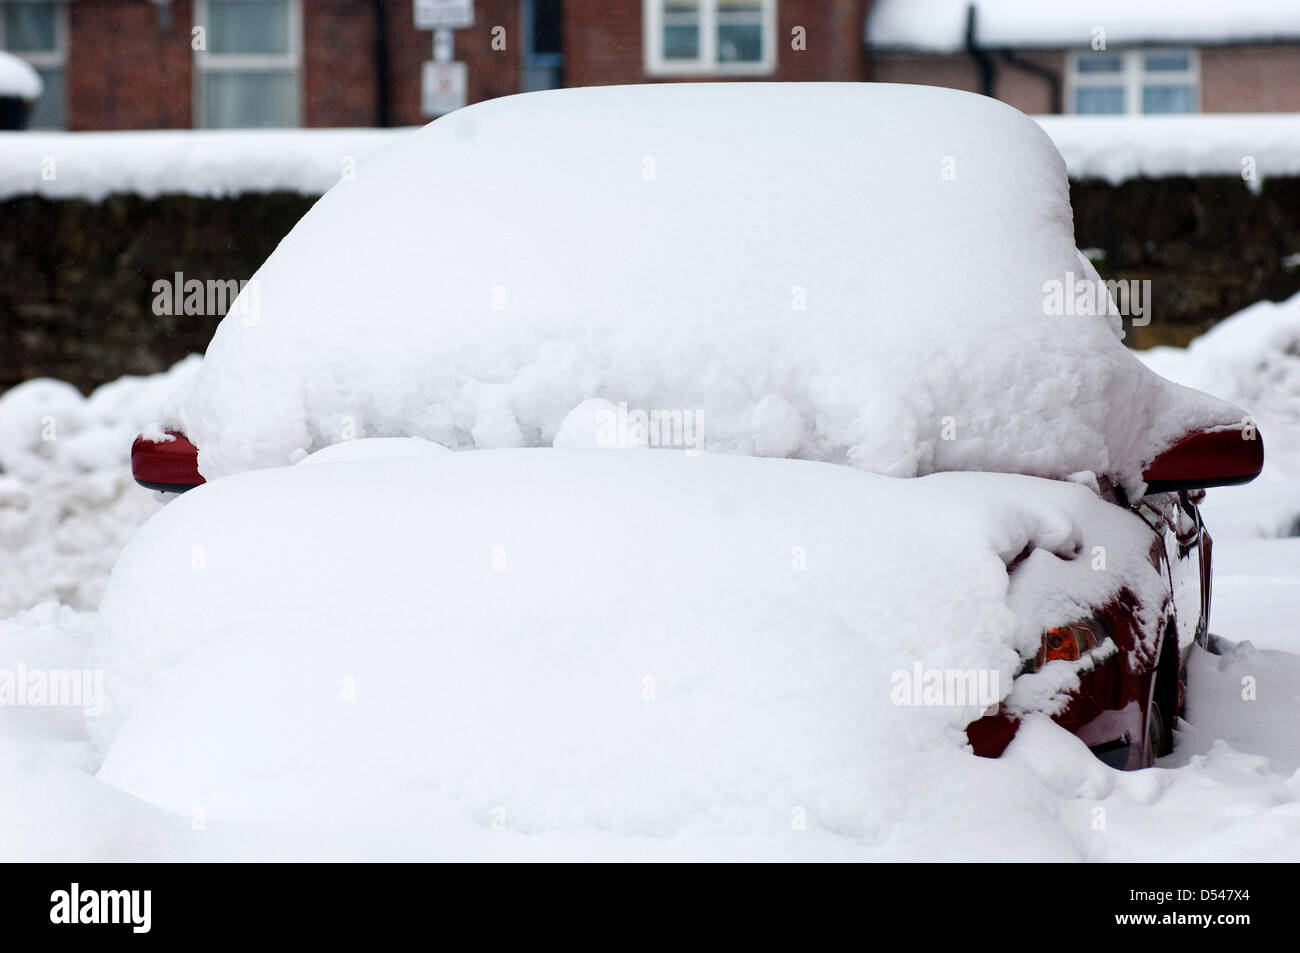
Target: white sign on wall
439,14
443,87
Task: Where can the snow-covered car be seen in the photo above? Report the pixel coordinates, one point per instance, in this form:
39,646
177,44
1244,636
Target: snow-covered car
864,277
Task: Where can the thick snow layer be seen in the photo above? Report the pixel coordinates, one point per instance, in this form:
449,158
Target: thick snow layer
728,254
17,78
596,644
92,165
1118,148
1252,359
940,25
67,500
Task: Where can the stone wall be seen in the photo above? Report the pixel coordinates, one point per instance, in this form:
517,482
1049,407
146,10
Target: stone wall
76,278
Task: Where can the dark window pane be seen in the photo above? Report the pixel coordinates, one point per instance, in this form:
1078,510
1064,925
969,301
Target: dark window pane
249,99
740,43
29,27
248,26
681,42
1168,99
47,113
1099,100
547,36
1168,60
1100,63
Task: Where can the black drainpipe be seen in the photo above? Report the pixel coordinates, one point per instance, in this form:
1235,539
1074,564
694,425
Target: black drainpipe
383,115
983,61
1052,77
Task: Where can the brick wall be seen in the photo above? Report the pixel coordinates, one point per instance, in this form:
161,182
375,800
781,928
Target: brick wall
603,42
1250,78
491,72
1024,90
126,69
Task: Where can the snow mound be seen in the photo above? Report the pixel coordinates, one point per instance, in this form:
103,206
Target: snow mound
67,500
876,257
570,642
17,78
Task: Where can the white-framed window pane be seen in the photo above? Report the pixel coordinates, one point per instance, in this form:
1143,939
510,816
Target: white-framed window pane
740,31
29,27
1100,63
1167,60
1168,99
249,99
1099,100
47,113
681,30
248,26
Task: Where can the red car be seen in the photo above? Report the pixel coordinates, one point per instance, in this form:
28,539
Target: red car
1125,706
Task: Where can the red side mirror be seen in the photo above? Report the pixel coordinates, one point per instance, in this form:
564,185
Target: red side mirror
171,466
1207,458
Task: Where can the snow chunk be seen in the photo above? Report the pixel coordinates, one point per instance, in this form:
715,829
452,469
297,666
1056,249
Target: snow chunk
776,427
18,79
634,244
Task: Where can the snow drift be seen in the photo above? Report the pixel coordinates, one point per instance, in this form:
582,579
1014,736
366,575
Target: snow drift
875,258
67,500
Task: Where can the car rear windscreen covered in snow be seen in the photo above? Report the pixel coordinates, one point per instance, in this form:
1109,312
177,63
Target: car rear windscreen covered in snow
878,275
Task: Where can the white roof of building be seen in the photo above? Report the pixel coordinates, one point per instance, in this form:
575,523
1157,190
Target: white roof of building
940,25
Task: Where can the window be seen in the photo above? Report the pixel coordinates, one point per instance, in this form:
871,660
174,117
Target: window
37,30
543,44
710,36
246,76
1134,81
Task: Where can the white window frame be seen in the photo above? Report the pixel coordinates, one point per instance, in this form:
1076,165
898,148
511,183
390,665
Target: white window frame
1133,76
46,59
652,20
289,62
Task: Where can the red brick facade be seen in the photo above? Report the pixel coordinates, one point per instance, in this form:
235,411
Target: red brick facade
129,63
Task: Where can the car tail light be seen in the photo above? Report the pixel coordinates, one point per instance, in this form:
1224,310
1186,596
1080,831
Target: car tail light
1069,642
168,465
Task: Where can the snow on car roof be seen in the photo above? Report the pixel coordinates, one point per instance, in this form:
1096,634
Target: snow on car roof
940,25
856,273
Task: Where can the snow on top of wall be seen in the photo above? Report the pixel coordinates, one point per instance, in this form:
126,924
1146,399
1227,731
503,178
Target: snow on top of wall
17,78
1117,148
93,165
939,26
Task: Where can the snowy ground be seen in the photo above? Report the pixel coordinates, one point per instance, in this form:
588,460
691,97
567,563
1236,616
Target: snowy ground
1230,790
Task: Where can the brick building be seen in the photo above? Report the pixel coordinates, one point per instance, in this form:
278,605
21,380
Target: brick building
149,64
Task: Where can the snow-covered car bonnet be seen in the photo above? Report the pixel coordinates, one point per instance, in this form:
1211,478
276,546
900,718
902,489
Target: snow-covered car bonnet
875,264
